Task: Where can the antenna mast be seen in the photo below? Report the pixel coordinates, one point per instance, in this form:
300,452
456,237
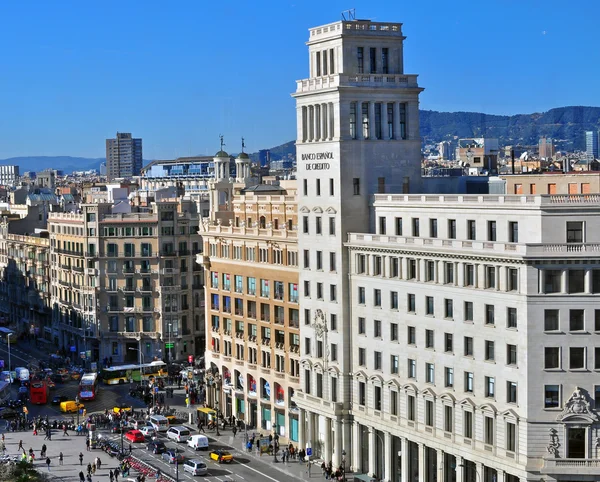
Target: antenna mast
349,15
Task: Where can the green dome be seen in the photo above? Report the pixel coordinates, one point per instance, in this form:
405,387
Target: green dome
221,154
243,155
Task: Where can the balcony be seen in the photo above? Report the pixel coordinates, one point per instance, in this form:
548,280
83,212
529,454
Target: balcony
295,349
571,466
239,312
279,321
78,269
265,317
239,335
168,271
168,253
128,270
171,288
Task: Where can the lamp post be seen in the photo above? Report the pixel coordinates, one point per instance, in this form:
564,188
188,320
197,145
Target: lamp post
477,476
382,445
122,427
170,346
9,366
343,465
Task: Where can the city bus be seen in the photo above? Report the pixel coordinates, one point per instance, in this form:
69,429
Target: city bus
39,392
88,386
126,373
4,332
4,391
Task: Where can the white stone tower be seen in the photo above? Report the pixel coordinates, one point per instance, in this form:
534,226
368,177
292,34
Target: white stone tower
357,134
242,166
221,187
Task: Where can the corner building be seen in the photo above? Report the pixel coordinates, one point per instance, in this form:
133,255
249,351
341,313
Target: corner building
357,135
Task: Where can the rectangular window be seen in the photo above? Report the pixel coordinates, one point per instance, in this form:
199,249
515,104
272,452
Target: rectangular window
448,309
394,331
430,271
402,126
360,60
468,346
490,277
511,392
511,317
394,403
576,358
451,228
468,425
429,413
469,386
471,230
448,342
412,269
429,372
489,315
378,130
415,227
429,339
394,364
433,228
319,260
469,275
448,418
365,120
373,59
332,226
377,328
353,133
513,232
429,308
575,232
551,396
361,295
511,354
411,305
361,326
398,226
333,322
551,357
489,351
511,437
490,387
390,120
305,187
448,273
377,298
362,357
411,337
468,311
412,368
377,360
318,225
356,186
362,393
576,320
411,408
551,320
384,60
305,224
449,377
491,230
488,434
382,226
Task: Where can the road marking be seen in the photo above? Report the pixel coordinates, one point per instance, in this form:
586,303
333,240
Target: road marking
259,472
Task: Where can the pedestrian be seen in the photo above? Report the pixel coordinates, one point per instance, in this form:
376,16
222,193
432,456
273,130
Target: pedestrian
130,449
94,468
89,478
308,468
80,458
116,474
234,430
49,434
60,458
81,477
89,468
43,451
111,475
64,427
99,462
20,447
48,463
87,444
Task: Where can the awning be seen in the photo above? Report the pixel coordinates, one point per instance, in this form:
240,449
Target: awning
210,411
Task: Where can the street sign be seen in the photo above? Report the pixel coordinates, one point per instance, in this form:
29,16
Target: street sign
309,451
169,345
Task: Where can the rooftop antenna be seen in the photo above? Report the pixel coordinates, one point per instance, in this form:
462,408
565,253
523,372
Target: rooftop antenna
222,141
243,144
349,15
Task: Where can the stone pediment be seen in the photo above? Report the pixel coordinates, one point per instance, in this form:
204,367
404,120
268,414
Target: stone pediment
330,210
578,409
317,210
304,210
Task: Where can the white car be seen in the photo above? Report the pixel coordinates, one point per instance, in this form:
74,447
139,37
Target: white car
148,431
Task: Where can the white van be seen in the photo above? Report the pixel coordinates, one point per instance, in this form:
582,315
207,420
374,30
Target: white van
22,374
159,423
198,442
179,434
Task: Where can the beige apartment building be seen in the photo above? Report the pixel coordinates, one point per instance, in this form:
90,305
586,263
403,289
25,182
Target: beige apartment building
252,313
575,182
126,283
25,287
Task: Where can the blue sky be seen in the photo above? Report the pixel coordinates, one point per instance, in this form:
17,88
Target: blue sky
180,73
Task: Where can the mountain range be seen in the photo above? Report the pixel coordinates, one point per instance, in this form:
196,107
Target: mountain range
566,125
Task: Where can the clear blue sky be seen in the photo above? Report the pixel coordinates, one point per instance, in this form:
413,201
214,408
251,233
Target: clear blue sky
178,74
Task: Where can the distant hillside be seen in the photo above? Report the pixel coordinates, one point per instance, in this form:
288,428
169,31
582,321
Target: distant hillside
66,163
566,125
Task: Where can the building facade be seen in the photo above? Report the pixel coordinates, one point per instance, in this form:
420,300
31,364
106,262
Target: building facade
123,156
591,144
574,182
124,282
25,288
474,339
9,175
546,148
252,314
357,135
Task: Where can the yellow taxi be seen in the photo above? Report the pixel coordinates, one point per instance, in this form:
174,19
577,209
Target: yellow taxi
122,408
70,406
221,456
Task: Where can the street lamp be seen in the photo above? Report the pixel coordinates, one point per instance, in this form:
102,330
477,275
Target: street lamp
9,367
343,465
464,466
122,427
170,346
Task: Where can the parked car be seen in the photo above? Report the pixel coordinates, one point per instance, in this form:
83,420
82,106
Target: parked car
195,467
221,456
135,436
156,447
171,456
59,399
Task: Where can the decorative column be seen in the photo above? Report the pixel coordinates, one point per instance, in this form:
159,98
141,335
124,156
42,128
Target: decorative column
317,122
311,429
422,469
479,471
397,121
324,122
356,447
331,119
311,123
359,121
338,444
301,422
372,120
404,461
564,282
372,451
459,468
440,465
327,448
587,282
387,456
